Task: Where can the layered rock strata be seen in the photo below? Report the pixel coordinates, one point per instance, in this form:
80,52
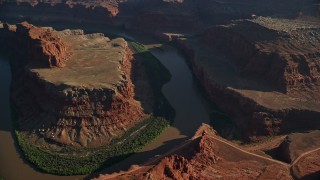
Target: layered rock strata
86,100
153,15
282,51
69,11
263,72
44,46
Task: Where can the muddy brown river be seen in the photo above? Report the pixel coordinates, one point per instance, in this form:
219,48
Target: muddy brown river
12,166
182,92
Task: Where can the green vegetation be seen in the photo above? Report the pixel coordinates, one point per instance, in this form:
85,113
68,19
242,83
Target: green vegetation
158,75
70,164
72,161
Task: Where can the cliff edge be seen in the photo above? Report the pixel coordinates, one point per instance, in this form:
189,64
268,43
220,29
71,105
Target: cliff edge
263,72
71,88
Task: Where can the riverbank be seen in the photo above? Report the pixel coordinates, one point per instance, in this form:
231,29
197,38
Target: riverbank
10,156
71,161
183,93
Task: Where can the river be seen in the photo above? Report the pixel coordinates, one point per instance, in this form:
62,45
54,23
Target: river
182,92
185,97
12,166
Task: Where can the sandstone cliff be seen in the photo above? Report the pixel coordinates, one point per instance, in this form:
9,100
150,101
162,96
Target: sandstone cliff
153,15
247,69
282,51
87,102
45,47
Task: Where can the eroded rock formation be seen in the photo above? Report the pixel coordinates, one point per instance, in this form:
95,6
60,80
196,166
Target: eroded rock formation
45,47
284,52
208,156
262,72
88,101
153,15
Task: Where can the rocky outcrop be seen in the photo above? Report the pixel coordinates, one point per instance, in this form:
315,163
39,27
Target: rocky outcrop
208,156
45,47
87,102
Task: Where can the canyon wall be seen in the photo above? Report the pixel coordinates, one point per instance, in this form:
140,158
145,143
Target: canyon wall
67,113
250,82
155,15
59,11
288,59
